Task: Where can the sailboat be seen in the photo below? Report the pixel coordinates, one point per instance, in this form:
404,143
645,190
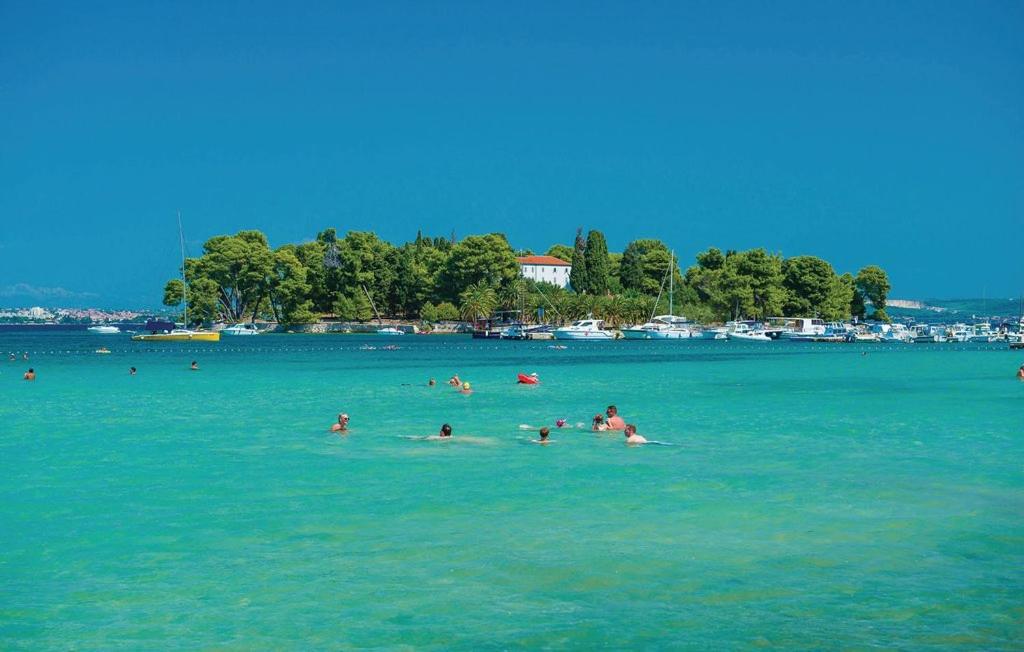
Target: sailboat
662,327
180,334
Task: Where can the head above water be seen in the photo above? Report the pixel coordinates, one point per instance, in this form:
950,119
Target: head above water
342,418
611,410
465,385
559,422
544,432
630,429
446,430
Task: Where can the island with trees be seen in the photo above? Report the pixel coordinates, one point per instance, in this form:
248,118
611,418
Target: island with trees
359,276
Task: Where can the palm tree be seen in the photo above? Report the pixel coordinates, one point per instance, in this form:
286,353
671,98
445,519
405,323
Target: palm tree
612,309
477,301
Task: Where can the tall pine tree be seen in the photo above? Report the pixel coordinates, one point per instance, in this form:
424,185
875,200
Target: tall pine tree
578,275
598,265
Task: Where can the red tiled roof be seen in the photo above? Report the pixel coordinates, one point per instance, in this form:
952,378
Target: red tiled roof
541,260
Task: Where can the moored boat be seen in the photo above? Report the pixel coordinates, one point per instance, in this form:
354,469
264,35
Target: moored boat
584,329
241,329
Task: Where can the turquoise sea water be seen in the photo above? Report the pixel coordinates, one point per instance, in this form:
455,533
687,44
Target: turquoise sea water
815,498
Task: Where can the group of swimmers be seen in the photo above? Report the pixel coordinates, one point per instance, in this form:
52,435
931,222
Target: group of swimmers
610,421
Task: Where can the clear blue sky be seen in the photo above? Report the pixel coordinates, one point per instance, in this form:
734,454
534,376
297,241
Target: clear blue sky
882,132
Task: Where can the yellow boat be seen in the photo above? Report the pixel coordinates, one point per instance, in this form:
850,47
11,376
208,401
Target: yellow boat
179,335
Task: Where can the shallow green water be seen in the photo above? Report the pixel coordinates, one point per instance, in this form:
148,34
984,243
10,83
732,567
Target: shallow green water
815,498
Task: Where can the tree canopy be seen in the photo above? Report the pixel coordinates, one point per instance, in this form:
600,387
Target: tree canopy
240,277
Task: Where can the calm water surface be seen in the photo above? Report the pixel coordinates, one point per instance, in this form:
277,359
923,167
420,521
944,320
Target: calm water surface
815,497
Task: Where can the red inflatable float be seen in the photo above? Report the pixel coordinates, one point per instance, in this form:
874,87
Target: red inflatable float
528,380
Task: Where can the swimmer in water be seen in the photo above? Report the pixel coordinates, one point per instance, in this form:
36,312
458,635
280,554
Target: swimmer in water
446,432
454,380
632,437
131,371
598,423
195,366
342,425
559,423
1020,373
431,382
614,421
30,374
544,432
466,389
12,358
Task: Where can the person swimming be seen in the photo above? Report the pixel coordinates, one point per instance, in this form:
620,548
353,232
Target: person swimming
544,432
446,431
1020,373
431,382
30,374
195,366
631,435
466,389
131,371
559,423
454,381
598,423
342,425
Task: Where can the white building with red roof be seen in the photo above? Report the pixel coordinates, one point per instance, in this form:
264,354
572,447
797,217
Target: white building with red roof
545,268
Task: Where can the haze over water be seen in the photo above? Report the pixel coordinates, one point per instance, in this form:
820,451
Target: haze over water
815,497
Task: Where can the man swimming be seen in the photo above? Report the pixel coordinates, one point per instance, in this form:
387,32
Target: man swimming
632,437
195,366
446,432
30,374
342,425
454,381
544,432
131,371
614,421
431,382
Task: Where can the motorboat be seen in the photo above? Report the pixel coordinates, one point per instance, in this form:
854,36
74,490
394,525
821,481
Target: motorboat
981,333
241,329
104,330
720,333
178,335
959,333
929,334
584,329
750,335
390,330
803,329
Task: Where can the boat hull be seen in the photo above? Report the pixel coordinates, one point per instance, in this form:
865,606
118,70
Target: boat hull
177,337
635,334
584,335
670,334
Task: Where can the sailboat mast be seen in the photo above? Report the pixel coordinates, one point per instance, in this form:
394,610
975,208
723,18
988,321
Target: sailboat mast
671,281
184,283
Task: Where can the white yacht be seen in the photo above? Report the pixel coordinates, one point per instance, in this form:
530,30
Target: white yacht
929,334
750,335
104,330
662,327
389,330
241,329
584,329
719,333
981,333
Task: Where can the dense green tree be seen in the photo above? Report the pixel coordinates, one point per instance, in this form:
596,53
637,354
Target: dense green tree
289,290
643,266
174,292
808,281
239,266
561,251
598,265
578,273
478,258
873,284
367,266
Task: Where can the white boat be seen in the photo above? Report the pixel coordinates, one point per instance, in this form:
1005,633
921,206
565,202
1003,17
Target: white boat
389,330
803,329
959,333
584,329
929,334
241,329
981,333
751,335
720,333
104,330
